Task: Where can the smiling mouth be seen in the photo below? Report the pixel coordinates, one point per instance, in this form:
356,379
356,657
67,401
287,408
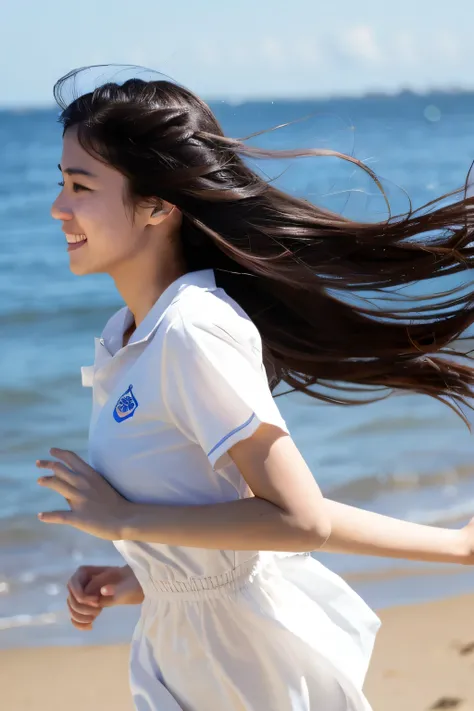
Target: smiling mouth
75,241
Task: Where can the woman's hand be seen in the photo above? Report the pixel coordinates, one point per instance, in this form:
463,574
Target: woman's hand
467,542
95,506
92,588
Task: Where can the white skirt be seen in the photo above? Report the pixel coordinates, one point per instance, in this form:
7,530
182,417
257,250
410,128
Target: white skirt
281,633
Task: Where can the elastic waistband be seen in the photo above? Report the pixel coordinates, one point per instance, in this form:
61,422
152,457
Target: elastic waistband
208,587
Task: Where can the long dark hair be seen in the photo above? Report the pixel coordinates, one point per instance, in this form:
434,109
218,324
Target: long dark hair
291,265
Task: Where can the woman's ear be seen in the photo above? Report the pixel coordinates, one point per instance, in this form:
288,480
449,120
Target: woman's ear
160,211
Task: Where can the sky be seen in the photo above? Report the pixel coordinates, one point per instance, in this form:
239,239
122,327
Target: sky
243,49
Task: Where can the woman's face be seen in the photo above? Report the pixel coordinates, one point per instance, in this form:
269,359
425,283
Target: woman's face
103,233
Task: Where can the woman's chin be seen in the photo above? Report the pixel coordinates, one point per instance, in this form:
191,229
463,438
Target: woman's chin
81,268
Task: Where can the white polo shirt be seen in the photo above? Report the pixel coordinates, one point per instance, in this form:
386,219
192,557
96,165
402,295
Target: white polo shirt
219,628
168,406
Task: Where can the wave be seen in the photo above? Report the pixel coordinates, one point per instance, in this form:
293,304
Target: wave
458,513
47,390
371,487
51,313
22,397
40,620
395,423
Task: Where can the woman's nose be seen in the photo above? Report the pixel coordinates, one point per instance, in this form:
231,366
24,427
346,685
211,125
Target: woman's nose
59,210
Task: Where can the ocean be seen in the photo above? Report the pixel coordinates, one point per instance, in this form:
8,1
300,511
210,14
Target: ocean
407,456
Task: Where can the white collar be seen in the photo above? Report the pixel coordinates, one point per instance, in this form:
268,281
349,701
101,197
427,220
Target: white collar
112,335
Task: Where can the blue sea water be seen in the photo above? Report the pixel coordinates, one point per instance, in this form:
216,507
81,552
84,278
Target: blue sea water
407,456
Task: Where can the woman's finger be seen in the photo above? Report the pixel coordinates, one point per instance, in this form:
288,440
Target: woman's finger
82,628
78,617
94,587
58,517
82,598
72,460
59,470
82,609
80,581
60,487
83,619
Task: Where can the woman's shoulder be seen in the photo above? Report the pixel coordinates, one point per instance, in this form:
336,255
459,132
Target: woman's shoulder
214,313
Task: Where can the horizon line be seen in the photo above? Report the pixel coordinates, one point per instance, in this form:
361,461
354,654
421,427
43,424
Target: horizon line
238,100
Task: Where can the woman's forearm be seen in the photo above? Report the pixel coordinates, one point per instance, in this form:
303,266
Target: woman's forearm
363,532
245,524
256,524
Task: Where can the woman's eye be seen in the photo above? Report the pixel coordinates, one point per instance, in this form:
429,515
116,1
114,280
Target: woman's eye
75,186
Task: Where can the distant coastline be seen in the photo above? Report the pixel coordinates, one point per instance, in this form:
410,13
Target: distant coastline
429,96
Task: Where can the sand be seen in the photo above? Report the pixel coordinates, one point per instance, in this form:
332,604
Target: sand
424,659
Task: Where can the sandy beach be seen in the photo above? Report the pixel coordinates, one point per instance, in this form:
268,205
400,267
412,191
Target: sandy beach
424,659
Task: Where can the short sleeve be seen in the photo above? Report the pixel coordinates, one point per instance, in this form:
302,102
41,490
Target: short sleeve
214,384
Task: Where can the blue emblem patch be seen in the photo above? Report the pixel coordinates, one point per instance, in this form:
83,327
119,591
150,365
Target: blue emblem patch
126,406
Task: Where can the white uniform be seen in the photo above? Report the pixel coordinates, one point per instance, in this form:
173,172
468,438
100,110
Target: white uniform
220,630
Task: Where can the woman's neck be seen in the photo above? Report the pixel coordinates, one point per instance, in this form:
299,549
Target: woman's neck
141,290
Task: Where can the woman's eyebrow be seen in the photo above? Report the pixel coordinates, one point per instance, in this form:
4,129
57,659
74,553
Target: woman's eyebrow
76,171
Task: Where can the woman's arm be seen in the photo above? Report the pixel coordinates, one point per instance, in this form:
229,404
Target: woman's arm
258,524
289,513
286,513
363,532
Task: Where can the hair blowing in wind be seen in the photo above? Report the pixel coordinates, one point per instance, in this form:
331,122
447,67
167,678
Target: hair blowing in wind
291,265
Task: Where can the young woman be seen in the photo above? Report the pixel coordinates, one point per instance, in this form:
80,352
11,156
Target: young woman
232,287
